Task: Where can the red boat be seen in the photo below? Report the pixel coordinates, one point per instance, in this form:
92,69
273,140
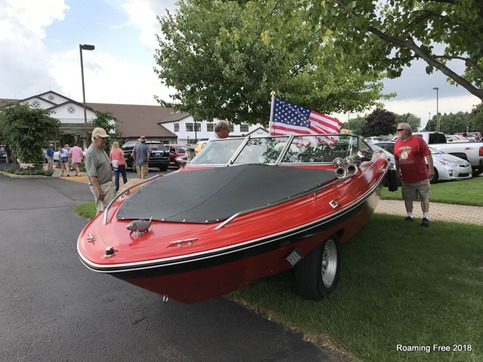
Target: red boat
249,208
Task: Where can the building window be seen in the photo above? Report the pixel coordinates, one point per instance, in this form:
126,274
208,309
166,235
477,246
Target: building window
190,127
244,128
176,127
210,127
232,128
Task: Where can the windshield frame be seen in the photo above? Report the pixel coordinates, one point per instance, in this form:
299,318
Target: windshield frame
283,150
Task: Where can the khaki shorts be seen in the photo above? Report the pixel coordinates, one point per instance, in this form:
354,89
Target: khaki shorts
416,191
142,169
109,194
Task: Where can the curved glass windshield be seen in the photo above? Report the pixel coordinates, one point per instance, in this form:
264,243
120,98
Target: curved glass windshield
283,150
217,152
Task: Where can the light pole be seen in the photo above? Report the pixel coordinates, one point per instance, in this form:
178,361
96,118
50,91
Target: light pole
84,47
437,108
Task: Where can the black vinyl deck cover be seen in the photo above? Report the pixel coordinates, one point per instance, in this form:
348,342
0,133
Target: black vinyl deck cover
213,195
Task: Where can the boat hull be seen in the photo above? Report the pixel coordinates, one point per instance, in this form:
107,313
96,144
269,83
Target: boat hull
234,224
206,276
207,280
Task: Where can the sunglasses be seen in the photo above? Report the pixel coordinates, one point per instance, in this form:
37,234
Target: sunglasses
400,129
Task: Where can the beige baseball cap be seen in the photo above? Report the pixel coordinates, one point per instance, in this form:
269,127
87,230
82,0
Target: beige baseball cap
99,132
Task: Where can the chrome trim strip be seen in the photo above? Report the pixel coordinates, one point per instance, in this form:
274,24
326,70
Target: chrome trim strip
213,253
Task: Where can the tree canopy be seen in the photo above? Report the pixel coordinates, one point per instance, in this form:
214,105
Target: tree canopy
224,58
379,122
26,130
446,34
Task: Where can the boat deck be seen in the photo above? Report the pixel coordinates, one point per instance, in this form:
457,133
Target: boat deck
213,195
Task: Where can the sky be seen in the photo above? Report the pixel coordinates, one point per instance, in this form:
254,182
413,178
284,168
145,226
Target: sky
39,51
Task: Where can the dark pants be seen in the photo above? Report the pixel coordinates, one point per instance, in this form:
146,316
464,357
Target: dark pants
122,170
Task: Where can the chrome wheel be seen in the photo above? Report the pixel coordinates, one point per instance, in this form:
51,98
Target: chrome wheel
329,263
317,274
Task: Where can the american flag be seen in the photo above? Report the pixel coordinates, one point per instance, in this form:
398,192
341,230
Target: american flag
288,118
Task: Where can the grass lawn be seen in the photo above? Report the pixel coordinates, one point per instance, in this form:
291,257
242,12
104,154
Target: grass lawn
466,192
400,284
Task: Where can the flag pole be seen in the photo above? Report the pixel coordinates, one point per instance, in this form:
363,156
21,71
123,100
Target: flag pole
271,112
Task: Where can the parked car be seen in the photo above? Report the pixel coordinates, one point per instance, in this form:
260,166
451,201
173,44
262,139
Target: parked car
3,154
474,136
199,146
386,153
386,145
446,167
176,151
158,158
56,155
471,151
456,138
373,139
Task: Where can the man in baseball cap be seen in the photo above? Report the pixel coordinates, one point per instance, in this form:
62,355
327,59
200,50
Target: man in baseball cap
99,170
99,132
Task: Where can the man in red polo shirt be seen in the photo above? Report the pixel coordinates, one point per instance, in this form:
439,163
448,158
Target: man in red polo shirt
411,154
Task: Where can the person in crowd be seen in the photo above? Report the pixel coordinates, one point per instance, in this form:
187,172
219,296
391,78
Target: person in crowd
414,164
99,170
140,156
69,168
118,164
76,155
222,130
64,160
50,157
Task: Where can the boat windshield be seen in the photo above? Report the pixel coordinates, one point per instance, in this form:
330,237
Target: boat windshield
283,150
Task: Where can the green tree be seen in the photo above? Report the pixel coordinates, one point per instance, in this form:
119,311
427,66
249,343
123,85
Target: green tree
107,121
224,58
379,122
355,125
452,123
477,118
413,120
26,130
390,35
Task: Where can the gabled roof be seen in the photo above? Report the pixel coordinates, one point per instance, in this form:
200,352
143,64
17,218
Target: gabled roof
141,120
133,120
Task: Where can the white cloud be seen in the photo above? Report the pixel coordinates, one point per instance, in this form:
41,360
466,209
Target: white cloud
24,57
142,15
107,79
28,19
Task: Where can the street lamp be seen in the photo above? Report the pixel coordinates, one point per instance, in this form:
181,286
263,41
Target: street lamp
437,108
84,47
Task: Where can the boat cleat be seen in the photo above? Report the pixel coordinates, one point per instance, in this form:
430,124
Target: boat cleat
183,242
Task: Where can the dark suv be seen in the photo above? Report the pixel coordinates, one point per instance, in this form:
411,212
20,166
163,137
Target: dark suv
158,158
3,154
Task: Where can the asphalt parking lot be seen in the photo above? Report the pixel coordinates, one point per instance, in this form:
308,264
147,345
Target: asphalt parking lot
52,308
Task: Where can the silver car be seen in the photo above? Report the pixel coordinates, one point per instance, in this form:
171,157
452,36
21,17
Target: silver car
446,167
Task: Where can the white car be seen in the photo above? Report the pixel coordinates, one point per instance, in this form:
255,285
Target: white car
448,167
56,155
